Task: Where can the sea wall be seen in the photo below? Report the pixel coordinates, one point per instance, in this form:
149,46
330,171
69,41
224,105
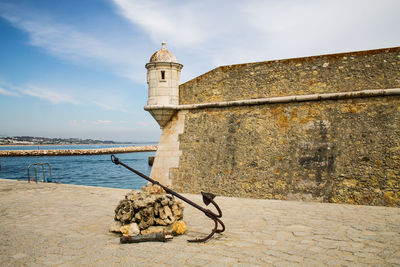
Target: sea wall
329,150
76,152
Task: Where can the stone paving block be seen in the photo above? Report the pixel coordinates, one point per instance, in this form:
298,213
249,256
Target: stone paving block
283,235
223,261
327,245
173,261
277,254
269,242
245,264
307,242
311,262
269,259
196,261
394,260
285,264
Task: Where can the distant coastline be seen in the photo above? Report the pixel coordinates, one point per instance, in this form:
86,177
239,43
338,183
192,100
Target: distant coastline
41,141
93,144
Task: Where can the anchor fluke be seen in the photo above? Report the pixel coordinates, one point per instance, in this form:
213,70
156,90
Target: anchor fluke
207,197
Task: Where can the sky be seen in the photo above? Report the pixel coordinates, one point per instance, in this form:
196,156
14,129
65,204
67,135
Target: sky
75,68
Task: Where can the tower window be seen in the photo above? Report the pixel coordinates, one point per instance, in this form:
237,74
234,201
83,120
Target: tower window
163,75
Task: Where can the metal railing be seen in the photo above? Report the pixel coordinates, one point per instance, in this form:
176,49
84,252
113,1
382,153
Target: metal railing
36,165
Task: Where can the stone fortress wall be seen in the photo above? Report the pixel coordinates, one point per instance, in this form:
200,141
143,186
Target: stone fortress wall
329,148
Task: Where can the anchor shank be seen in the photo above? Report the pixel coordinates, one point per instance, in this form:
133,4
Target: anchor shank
116,161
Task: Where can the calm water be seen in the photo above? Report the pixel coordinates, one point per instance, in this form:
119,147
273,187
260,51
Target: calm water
92,170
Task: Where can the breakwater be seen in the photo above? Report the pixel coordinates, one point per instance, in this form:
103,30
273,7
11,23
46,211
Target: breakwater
77,152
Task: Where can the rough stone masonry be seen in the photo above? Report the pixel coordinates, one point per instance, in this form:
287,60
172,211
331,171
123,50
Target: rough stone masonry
148,211
340,150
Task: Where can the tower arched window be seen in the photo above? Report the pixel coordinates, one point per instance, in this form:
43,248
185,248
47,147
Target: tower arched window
163,75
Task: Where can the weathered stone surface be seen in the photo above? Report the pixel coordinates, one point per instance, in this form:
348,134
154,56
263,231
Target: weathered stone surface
159,221
143,201
166,214
177,210
341,151
167,156
147,210
63,237
146,217
115,227
334,151
179,227
131,229
124,211
153,189
152,229
296,76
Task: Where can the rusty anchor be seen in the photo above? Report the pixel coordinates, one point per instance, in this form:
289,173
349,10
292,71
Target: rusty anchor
207,199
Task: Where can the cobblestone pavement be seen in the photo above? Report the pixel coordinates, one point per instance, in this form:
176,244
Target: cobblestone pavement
67,225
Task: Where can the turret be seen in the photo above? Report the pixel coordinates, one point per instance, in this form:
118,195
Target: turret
163,74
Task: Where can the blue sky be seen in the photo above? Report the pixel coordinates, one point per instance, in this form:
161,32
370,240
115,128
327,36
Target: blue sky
75,68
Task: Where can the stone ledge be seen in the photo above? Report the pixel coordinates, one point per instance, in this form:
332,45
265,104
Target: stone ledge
281,99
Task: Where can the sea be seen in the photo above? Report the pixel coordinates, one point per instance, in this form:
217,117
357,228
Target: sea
91,170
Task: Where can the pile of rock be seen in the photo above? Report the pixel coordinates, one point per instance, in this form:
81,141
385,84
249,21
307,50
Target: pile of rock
148,211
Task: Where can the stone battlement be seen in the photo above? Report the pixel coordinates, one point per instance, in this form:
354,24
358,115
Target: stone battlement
344,72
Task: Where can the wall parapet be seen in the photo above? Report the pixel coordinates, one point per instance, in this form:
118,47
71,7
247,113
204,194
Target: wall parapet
351,71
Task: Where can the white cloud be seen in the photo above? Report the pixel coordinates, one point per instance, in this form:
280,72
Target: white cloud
165,20
101,122
74,123
8,93
65,41
103,106
84,46
145,124
53,96
313,27
207,34
57,96
109,106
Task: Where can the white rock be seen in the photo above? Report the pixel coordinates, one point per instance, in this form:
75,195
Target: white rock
153,229
115,227
131,229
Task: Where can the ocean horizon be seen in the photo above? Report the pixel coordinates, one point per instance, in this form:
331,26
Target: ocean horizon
90,170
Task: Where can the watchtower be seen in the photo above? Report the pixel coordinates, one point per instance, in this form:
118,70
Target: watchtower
163,74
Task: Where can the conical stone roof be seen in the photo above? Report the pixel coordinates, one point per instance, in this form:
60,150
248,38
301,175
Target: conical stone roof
163,55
